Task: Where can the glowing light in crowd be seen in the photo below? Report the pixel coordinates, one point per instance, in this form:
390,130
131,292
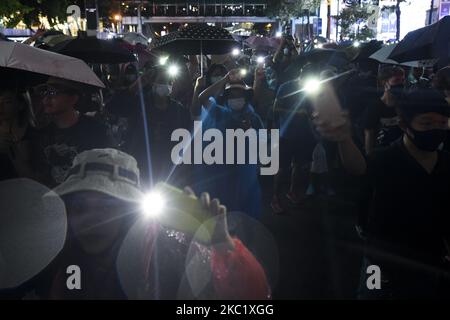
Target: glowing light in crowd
117,17
152,204
312,86
356,44
173,70
163,60
320,46
260,60
279,34
243,72
235,52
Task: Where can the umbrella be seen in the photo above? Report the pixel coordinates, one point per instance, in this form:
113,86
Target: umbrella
323,56
197,39
264,43
93,50
194,40
53,40
3,37
383,54
23,57
33,228
430,42
135,38
364,51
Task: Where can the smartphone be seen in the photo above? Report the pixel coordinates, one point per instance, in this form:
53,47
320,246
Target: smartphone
184,213
327,105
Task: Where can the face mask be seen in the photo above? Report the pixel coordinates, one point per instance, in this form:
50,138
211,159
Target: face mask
428,140
236,104
162,90
215,79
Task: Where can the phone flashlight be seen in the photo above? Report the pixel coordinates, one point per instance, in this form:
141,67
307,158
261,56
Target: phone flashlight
173,70
153,204
235,52
174,209
163,60
243,72
260,60
312,86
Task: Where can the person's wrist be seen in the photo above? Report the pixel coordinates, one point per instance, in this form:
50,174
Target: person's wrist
226,244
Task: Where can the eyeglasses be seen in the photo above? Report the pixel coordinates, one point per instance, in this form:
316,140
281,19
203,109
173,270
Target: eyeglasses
46,91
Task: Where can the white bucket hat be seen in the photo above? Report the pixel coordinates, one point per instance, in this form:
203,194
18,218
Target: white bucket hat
108,171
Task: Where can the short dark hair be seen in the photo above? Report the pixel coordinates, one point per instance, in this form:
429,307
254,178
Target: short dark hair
422,101
386,73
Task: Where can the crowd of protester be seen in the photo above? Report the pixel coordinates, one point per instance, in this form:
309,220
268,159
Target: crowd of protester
393,137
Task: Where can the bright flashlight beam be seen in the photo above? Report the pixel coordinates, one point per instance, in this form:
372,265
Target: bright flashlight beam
163,60
152,204
173,70
290,94
243,72
312,86
260,60
235,52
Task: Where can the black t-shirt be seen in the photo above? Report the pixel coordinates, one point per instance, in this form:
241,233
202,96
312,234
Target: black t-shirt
384,120
56,148
410,208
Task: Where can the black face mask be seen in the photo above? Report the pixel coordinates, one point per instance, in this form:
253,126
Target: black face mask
428,140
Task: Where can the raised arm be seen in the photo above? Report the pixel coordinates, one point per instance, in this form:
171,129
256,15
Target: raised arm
218,88
351,157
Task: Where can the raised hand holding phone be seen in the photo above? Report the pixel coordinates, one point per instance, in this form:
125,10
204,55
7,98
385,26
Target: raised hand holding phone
326,105
180,210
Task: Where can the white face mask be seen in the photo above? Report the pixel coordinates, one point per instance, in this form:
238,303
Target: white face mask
236,104
162,90
215,79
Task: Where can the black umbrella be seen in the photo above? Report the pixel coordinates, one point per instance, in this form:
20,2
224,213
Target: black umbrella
364,51
3,37
330,57
320,57
430,42
197,39
93,50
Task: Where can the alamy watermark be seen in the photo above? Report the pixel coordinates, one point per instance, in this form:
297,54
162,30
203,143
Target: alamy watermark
190,149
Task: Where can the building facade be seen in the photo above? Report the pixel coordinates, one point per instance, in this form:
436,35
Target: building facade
383,19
